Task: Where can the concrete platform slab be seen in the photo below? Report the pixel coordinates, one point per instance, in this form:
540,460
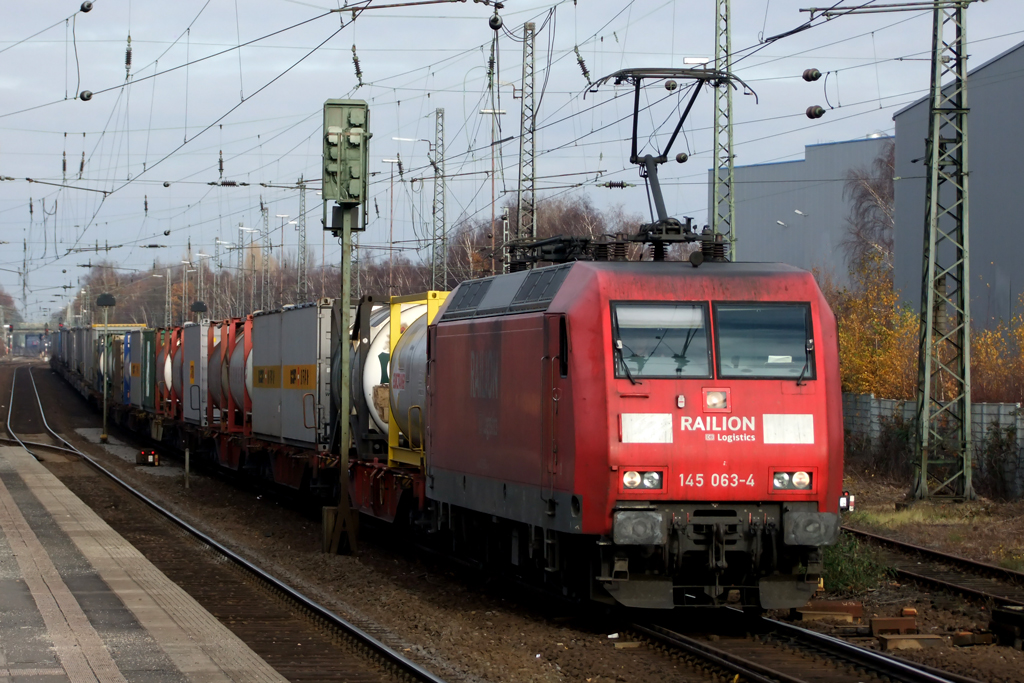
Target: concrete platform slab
79,603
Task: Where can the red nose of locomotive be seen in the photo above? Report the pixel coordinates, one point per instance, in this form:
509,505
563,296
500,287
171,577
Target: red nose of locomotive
727,426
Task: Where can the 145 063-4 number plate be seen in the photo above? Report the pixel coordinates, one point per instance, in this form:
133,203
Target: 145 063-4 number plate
719,480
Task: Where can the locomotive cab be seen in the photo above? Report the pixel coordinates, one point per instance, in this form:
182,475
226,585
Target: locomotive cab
721,472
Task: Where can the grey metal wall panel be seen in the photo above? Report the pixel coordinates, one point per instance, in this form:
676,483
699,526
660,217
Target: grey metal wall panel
770,194
291,375
193,373
996,98
304,335
266,375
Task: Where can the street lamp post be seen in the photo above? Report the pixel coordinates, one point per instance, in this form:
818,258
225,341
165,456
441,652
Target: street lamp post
494,114
106,302
391,218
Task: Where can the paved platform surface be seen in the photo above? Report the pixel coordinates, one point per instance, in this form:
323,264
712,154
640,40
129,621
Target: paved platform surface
78,603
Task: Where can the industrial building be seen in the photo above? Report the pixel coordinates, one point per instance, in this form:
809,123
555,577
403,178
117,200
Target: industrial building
996,200
796,212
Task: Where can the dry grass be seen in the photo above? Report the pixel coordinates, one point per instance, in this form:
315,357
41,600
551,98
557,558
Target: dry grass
921,513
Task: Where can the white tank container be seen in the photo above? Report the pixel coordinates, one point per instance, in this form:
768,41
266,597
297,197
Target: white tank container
409,382
377,364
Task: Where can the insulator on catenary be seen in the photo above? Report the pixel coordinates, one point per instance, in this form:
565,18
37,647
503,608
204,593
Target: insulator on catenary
128,56
145,204
65,163
359,69
81,166
815,111
811,75
616,184
583,65
220,163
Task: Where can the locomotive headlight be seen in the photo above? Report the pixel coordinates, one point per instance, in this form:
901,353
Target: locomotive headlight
652,480
791,481
716,400
631,479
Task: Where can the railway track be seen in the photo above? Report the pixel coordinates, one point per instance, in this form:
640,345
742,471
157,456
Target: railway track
949,572
776,652
298,637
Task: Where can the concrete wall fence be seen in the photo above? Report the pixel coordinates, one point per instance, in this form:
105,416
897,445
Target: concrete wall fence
863,415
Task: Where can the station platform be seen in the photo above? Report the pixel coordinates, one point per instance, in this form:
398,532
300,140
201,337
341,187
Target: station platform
78,603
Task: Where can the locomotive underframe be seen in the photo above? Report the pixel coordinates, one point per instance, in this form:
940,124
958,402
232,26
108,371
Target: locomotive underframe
728,554
769,553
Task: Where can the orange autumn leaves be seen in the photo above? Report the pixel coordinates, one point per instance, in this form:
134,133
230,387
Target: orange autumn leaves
878,342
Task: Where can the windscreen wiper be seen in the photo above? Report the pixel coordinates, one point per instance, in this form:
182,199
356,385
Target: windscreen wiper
622,359
808,348
617,347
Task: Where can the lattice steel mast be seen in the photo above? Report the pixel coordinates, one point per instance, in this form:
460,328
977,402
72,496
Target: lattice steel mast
527,220
943,441
167,299
439,240
724,217
265,265
944,364
302,286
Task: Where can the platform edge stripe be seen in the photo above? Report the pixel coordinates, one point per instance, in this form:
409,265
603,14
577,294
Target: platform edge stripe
119,564
81,651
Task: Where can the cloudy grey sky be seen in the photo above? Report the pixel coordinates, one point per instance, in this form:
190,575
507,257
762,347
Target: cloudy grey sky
156,140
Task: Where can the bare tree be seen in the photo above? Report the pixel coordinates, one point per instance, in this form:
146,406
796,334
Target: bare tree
872,219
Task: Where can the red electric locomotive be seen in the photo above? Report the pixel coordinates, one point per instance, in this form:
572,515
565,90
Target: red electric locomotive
656,433
653,432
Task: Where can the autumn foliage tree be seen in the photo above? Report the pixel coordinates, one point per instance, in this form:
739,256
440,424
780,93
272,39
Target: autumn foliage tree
879,335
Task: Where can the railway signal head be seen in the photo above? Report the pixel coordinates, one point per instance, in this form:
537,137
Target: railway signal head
346,151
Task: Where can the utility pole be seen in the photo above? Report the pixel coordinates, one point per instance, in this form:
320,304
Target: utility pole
724,217
24,277
265,270
302,287
240,272
167,300
439,245
527,226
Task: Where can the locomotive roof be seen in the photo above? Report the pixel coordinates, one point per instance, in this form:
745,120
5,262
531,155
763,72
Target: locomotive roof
534,290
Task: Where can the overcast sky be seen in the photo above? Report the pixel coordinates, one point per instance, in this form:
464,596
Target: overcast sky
157,139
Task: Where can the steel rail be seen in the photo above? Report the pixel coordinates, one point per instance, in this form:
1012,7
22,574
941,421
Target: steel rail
742,667
895,669
10,411
1001,573
403,664
881,664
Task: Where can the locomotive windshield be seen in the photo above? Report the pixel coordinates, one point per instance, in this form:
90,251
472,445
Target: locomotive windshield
764,340
660,340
